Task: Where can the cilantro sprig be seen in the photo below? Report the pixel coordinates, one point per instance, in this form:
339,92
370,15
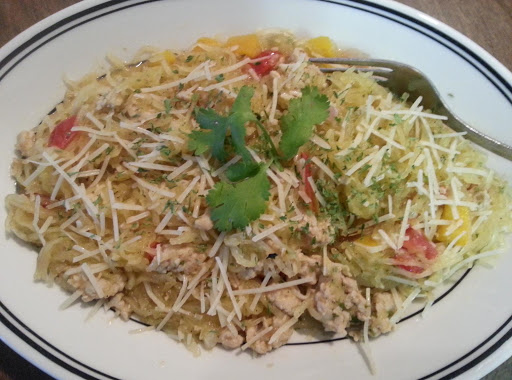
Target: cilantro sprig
303,114
236,205
242,198
215,128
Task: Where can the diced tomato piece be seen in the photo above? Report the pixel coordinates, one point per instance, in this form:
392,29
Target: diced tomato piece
308,189
407,257
149,255
266,65
62,135
418,244
153,245
412,268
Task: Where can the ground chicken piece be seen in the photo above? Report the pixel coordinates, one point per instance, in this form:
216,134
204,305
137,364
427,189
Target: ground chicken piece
16,168
310,266
110,286
123,307
26,143
336,300
384,307
178,259
354,300
285,300
261,346
229,340
204,222
319,232
331,314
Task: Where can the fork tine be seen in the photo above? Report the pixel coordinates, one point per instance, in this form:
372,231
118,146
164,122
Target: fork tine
378,78
380,63
375,70
380,67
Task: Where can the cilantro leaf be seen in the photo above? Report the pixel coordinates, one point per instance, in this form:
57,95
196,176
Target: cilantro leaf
303,114
201,141
215,128
241,113
242,170
236,205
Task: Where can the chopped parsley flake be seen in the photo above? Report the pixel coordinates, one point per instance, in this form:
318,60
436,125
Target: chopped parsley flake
167,105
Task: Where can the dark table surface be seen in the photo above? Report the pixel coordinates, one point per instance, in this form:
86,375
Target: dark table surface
487,22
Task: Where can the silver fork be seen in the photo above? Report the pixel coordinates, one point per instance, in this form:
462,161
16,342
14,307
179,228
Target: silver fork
400,78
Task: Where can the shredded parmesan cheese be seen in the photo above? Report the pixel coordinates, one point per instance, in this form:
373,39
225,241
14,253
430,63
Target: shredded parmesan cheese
271,288
92,280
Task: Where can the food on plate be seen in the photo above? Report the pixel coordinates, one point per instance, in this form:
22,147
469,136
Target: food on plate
232,193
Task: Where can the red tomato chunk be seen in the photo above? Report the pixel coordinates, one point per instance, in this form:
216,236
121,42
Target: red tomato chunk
308,189
151,255
62,135
417,246
409,268
266,65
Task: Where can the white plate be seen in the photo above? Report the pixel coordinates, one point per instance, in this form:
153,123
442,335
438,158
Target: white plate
466,333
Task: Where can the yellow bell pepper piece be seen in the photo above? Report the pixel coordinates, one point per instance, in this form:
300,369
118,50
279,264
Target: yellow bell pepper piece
166,55
322,46
208,41
367,241
169,56
442,232
248,44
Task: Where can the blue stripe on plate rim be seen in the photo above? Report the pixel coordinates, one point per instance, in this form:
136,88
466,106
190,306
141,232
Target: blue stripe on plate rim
464,363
